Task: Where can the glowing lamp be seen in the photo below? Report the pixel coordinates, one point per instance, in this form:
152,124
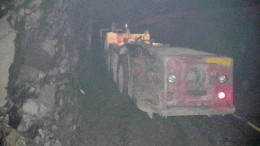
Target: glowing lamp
221,95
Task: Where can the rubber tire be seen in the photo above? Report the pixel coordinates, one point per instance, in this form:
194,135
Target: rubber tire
122,81
109,61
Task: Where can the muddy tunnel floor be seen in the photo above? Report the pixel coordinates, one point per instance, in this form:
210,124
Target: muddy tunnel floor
112,119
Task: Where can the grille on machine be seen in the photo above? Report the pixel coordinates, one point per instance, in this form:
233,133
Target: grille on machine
195,80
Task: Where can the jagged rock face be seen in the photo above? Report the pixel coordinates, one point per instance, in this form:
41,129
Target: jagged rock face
7,37
42,90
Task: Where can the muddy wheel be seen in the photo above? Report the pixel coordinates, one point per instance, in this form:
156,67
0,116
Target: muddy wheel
123,74
130,80
114,66
109,61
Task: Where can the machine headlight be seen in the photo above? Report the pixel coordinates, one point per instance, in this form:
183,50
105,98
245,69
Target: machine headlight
221,95
171,78
222,78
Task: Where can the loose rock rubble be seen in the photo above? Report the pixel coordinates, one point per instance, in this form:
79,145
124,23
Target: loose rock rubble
11,137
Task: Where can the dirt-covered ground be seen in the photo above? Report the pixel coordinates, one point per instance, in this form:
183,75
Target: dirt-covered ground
112,119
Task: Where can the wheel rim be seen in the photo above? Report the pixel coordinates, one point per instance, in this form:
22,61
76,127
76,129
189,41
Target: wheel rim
120,79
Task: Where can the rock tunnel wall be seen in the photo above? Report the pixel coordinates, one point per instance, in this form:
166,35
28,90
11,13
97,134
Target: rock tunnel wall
43,88
7,36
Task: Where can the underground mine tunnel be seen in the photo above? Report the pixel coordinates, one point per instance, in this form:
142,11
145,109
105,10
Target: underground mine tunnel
55,89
